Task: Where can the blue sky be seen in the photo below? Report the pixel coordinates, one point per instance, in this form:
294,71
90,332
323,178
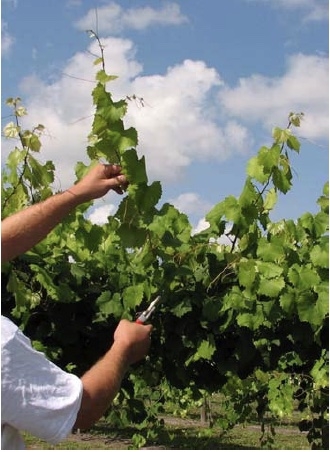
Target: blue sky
216,76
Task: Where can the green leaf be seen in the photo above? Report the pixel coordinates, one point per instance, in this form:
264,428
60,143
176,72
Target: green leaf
320,255
307,221
247,272
295,118
17,286
40,175
31,141
58,292
90,235
271,287
270,251
146,196
287,301
321,223
103,77
293,143
181,309
326,189
281,135
171,225
108,115
234,299
256,170
110,304
289,360
250,320
127,212
320,371
280,396
269,269
269,157
128,139
78,272
282,180
270,199
11,130
131,236
132,296
249,194
303,277
98,61
20,111
10,101
134,168
323,201
313,308
317,225
206,349
214,218
322,303
99,126
232,209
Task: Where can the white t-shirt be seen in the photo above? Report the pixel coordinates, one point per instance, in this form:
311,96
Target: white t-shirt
36,395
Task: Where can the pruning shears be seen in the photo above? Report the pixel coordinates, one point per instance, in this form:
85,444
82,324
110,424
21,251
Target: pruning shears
144,316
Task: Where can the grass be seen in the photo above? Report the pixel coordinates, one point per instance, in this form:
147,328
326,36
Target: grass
184,433
181,434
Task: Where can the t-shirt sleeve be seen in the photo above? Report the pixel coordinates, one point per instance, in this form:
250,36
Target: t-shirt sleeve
37,396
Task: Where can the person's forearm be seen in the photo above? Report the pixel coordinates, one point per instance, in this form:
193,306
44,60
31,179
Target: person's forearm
100,386
24,229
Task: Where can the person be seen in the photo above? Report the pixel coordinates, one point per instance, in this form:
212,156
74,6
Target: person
36,395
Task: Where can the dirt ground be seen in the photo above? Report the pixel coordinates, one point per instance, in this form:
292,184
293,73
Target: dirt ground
187,436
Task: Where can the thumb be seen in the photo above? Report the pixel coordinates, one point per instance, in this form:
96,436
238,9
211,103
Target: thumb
149,328
117,181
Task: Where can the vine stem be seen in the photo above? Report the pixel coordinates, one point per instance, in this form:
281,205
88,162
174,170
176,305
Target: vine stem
260,193
25,163
93,34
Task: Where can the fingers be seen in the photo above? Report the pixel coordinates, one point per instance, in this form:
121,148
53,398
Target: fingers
134,339
117,181
110,169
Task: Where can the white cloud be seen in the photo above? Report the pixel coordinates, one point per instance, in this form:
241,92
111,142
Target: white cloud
311,10
201,226
65,107
181,121
141,18
224,239
113,19
178,125
303,88
7,40
73,3
100,214
193,205
190,203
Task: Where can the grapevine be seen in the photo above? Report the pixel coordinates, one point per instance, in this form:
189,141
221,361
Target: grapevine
248,319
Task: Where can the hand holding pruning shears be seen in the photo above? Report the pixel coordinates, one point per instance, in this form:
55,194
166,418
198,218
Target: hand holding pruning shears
145,315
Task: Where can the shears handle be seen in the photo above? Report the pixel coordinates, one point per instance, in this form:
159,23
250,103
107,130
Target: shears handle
139,321
144,316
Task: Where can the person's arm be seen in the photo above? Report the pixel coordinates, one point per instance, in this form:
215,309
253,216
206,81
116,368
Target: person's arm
24,229
102,382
